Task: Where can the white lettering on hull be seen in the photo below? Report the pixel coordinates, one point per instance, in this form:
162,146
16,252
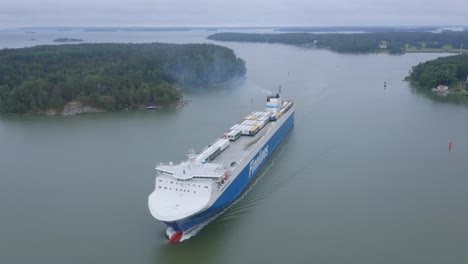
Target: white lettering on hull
255,163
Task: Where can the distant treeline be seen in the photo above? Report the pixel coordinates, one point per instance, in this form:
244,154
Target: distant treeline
392,42
451,70
109,76
67,40
360,29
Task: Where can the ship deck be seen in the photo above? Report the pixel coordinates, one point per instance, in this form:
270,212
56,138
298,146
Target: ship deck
239,149
224,156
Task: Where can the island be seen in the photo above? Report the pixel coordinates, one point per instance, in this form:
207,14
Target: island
373,42
351,29
67,40
445,74
109,77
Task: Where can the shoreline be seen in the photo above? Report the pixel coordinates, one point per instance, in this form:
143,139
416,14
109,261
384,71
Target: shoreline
452,51
74,108
78,108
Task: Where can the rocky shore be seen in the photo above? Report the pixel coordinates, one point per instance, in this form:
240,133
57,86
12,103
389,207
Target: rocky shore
76,108
73,108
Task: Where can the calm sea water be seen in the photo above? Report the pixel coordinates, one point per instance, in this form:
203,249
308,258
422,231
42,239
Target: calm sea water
365,176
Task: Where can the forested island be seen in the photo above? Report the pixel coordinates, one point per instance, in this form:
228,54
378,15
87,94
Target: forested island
390,42
109,77
67,40
352,29
451,71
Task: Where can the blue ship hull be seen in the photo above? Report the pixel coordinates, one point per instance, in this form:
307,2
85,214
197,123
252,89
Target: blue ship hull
237,187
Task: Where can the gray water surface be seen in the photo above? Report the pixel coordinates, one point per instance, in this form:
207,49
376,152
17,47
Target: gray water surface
365,176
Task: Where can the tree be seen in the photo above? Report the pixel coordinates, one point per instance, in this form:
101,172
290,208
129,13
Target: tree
109,76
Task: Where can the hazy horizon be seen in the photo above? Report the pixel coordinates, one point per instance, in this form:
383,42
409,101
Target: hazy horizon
71,27
242,13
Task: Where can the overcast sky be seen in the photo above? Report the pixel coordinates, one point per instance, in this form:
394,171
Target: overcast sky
23,13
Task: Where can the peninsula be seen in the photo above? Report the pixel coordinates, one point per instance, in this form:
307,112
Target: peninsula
451,71
109,77
374,42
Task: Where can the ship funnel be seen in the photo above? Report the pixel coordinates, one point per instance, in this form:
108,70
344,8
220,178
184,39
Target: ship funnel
274,102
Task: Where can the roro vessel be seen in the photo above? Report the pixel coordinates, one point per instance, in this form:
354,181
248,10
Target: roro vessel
195,191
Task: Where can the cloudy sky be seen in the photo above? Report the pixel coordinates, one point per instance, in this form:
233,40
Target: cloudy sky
23,13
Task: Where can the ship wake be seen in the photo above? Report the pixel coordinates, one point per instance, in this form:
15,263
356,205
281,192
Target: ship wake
238,209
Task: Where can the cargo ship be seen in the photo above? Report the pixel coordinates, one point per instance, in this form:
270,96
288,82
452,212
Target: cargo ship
190,193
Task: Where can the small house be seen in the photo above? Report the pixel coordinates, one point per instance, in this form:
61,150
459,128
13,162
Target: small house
382,44
442,87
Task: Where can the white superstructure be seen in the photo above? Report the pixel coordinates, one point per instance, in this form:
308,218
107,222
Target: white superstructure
196,184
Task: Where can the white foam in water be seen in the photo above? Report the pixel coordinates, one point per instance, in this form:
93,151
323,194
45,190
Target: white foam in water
193,231
187,234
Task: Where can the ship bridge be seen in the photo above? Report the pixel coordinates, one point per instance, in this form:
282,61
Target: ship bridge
184,189
193,168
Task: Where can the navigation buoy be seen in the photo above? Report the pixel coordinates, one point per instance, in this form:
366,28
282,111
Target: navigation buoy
450,146
175,238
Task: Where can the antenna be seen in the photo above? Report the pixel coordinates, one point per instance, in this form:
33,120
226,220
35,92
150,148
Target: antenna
191,154
280,89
